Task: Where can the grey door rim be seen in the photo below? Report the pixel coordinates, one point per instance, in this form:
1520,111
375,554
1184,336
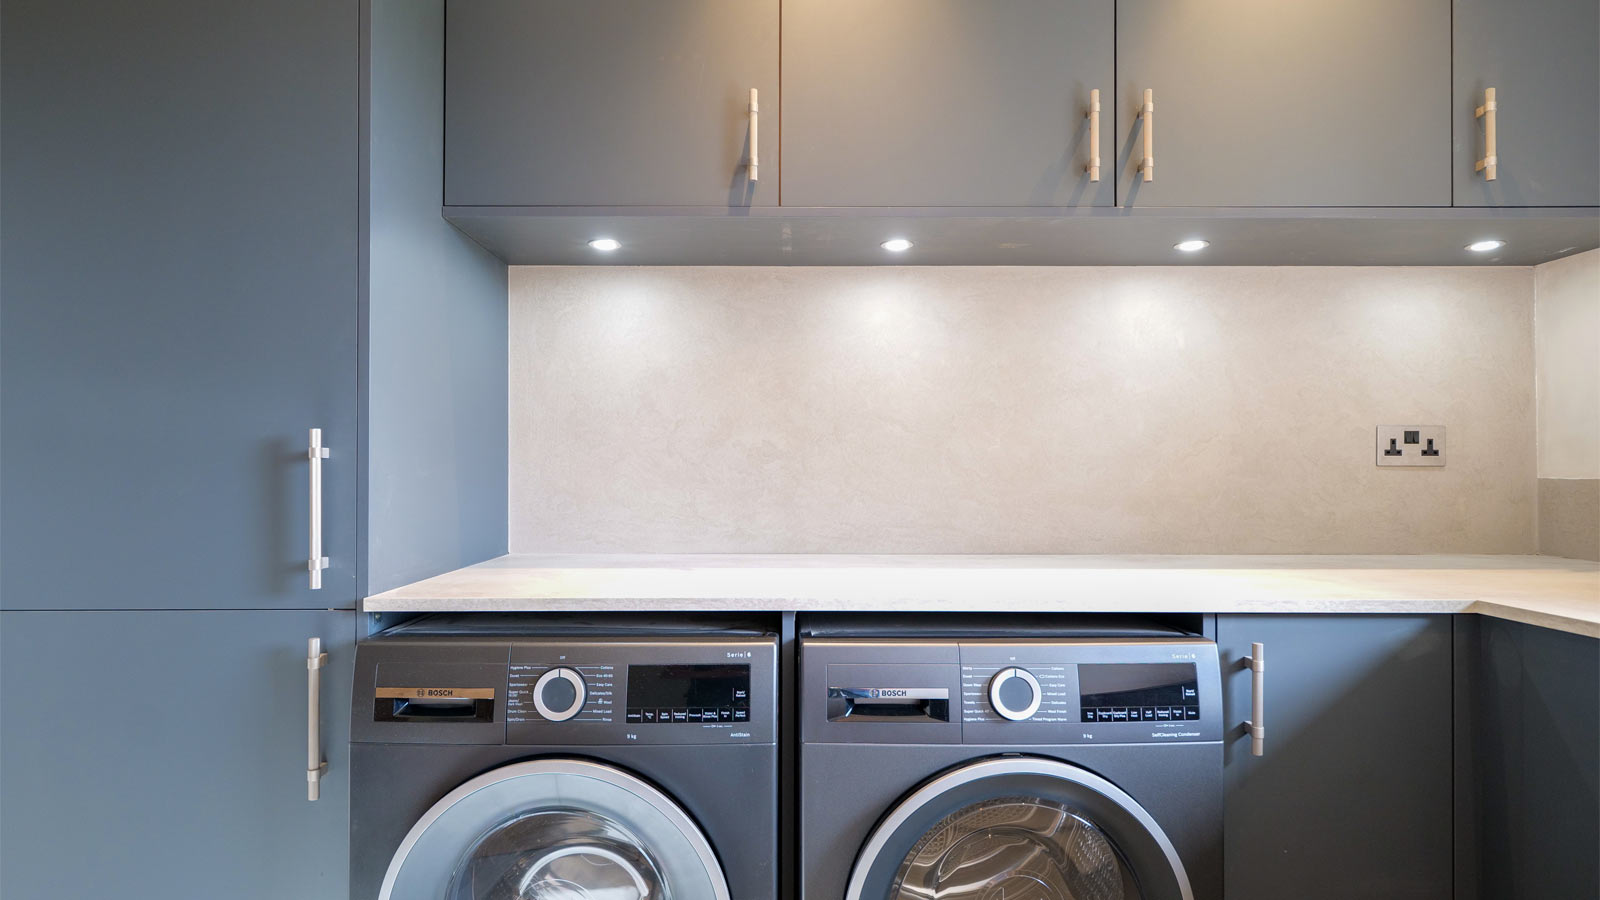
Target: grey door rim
988,768
651,794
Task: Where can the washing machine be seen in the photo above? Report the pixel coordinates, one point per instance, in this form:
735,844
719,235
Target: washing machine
1039,768
491,763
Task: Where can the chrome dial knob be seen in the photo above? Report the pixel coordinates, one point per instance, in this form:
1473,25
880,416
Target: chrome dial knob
1014,694
558,695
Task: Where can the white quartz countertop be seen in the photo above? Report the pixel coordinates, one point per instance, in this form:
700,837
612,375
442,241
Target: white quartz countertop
1555,593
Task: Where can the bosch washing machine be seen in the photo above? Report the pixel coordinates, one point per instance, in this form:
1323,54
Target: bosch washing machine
1039,768
488,764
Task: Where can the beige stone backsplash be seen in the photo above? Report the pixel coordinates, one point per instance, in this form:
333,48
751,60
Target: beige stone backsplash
1017,410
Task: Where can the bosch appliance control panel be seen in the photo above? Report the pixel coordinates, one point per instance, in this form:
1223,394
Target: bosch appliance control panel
1066,691
561,691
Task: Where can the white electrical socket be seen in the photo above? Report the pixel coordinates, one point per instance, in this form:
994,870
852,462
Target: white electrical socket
1410,445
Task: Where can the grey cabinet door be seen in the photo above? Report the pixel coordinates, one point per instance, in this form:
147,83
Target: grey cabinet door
1353,795
609,102
179,301
163,754
946,102
1267,103
1542,57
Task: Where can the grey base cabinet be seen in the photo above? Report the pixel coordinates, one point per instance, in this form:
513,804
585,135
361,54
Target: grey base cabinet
163,754
1527,762
1352,797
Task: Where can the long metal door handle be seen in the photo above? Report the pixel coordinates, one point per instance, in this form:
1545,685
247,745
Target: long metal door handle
1257,723
755,123
1147,116
1094,135
316,765
1490,164
316,562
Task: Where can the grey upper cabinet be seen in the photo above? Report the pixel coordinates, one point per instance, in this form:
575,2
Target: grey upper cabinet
1353,795
163,754
179,301
1266,103
1542,58
609,102
946,102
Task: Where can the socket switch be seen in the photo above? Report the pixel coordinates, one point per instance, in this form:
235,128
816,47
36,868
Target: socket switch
1410,445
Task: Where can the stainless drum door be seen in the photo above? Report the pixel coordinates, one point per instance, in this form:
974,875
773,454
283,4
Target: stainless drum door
1022,828
555,829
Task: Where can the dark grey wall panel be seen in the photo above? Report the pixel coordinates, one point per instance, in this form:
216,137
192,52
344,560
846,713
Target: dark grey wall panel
436,327
163,754
1266,103
178,250
946,102
1528,761
1353,795
1542,57
625,102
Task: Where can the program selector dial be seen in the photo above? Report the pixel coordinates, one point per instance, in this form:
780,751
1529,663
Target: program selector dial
1014,693
558,695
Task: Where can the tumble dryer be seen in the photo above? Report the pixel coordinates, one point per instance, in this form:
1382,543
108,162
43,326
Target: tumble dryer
1016,768
488,764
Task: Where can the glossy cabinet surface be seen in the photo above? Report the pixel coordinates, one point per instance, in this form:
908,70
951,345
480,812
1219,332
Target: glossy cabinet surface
1265,103
180,302
1352,797
945,102
163,754
609,102
1542,57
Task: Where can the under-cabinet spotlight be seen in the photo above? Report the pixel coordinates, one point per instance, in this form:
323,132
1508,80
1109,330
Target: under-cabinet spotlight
1192,245
606,245
896,245
1486,246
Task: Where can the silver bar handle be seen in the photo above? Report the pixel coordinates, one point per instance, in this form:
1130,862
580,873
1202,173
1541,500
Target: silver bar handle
316,765
1257,724
316,562
755,147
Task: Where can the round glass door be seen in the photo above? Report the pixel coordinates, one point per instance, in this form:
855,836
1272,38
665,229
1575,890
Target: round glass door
1018,828
555,830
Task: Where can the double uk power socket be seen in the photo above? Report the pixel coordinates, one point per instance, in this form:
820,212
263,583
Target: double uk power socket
1410,445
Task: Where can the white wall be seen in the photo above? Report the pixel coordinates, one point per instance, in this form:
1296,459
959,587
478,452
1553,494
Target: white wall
946,410
1567,342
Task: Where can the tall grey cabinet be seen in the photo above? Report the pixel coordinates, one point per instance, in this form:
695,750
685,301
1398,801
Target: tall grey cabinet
610,102
1352,795
1542,59
162,754
179,302
1266,103
947,102
178,309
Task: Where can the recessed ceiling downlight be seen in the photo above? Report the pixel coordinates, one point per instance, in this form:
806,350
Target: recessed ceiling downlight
606,245
1191,246
896,245
1486,245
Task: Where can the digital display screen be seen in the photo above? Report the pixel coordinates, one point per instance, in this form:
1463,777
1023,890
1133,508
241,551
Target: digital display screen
1132,692
688,694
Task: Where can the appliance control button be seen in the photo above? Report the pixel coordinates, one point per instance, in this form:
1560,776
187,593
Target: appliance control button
1191,712
558,695
1014,693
